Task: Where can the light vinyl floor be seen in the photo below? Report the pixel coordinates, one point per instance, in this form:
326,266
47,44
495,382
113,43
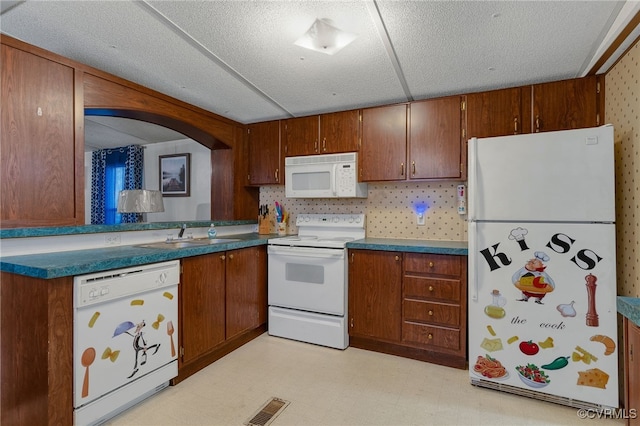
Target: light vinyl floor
331,387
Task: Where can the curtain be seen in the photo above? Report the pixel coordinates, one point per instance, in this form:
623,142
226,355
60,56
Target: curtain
113,170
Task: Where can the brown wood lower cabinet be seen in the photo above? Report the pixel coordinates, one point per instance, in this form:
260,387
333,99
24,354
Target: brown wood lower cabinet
36,324
409,304
223,305
632,372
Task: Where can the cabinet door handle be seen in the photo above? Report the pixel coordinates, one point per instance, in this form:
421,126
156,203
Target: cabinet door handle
515,126
324,144
276,175
430,264
230,256
413,168
397,257
223,257
401,169
352,254
429,336
537,123
315,145
351,324
430,313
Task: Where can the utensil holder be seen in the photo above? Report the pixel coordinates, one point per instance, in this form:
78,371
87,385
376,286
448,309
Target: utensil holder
264,225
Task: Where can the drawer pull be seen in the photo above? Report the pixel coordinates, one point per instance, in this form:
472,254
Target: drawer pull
430,264
397,257
430,288
430,312
429,336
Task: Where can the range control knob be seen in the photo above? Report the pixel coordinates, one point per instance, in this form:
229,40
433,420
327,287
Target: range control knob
336,219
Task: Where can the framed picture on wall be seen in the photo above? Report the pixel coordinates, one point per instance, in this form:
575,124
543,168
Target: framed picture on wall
175,171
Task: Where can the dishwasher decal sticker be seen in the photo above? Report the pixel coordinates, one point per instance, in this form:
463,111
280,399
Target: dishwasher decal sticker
110,354
140,345
88,356
93,319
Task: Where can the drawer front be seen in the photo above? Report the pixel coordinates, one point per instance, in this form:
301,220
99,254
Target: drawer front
437,264
432,289
434,313
429,335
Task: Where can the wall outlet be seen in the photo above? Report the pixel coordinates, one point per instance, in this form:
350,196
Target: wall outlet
112,240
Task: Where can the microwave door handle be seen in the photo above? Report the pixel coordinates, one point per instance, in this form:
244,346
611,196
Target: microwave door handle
334,181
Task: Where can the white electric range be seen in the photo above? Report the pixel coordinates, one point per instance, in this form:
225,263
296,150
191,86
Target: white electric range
308,279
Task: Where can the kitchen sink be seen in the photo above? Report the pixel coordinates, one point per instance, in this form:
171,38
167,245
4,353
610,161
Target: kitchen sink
196,242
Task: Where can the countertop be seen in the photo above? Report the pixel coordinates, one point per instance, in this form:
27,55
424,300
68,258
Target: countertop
78,262
629,307
412,246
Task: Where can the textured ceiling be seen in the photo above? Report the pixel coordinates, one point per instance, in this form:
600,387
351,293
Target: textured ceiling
237,58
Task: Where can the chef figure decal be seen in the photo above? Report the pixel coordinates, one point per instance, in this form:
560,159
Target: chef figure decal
532,280
140,345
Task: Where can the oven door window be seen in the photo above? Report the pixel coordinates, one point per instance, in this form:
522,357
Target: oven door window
308,279
304,273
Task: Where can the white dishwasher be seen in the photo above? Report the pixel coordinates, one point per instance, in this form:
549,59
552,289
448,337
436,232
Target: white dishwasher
125,338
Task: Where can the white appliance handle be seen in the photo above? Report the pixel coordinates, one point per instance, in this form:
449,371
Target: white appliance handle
472,260
472,191
472,187
318,253
334,181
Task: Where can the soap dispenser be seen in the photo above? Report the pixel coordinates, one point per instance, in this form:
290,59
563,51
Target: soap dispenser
212,232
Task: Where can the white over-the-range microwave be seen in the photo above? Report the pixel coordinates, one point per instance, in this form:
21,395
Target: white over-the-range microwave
323,176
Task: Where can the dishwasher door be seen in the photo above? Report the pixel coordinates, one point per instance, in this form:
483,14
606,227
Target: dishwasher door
125,329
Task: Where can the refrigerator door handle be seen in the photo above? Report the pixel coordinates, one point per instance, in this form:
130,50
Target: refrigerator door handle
473,178
472,261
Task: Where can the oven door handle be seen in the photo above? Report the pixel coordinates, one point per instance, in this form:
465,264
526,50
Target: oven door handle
306,252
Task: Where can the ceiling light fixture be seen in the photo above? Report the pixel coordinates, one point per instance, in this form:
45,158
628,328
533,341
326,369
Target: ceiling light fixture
324,37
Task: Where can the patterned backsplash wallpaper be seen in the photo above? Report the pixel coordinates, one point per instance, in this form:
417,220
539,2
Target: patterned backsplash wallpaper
389,209
622,109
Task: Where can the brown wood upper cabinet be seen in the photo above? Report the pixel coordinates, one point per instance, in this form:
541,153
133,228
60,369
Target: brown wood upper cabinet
383,154
560,105
321,134
497,113
42,151
266,163
300,136
421,140
435,139
567,104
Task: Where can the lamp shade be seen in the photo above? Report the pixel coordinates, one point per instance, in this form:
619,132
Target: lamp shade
140,201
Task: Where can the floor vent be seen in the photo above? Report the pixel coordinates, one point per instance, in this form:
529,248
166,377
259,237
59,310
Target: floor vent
268,412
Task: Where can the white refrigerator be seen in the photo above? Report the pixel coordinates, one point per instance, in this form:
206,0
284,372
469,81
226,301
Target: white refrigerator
542,266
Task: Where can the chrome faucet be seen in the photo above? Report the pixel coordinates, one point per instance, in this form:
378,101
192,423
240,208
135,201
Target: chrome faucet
184,228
